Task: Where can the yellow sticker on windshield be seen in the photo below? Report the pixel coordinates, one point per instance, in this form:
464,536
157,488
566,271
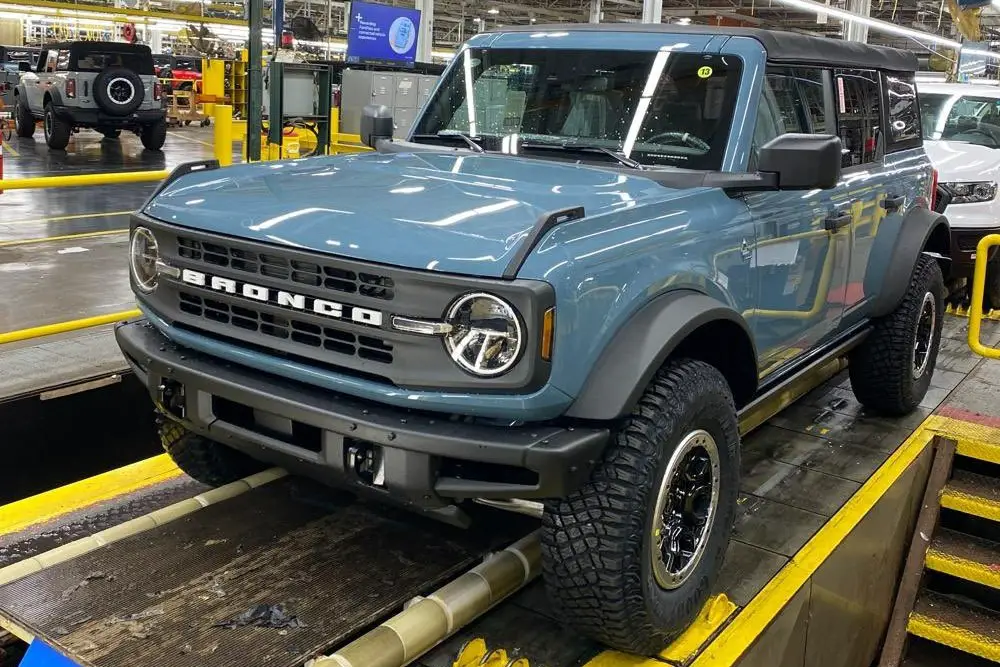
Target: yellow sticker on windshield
704,72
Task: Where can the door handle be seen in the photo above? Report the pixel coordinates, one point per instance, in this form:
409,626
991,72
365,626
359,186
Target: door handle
835,221
891,203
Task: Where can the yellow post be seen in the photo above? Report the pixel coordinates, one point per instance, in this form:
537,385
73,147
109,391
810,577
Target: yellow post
224,134
84,180
978,288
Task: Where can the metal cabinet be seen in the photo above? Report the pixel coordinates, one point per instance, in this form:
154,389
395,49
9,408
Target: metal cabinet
403,92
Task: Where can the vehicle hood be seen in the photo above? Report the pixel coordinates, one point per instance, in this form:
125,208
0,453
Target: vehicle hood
457,213
957,161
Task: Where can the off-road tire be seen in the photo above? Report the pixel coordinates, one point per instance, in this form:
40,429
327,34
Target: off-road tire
154,135
57,131
882,367
596,543
205,460
24,122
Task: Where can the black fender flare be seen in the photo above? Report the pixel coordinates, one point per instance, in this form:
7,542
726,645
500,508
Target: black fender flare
55,95
643,344
919,225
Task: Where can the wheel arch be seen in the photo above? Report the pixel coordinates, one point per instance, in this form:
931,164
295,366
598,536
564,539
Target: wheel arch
679,323
924,232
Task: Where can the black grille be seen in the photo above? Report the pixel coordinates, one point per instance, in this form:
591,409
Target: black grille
281,268
284,328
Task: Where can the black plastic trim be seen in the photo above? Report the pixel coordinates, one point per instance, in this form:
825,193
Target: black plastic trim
534,237
180,170
918,225
413,442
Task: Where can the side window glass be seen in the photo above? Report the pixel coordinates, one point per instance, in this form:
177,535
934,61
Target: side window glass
791,101
50,63
857,96
40,63
62,61
904,116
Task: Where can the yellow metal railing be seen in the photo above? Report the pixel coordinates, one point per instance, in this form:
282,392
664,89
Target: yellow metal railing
978,289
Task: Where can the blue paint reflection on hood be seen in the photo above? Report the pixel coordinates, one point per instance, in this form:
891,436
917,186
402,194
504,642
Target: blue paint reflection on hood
453,213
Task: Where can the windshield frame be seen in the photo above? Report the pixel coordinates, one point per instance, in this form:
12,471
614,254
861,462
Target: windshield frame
737,144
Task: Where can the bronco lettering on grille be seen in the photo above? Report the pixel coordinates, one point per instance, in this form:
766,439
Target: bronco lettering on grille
284,299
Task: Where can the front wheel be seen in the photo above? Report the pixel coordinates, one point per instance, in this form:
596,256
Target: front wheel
632,557
205,460
154,135
891,370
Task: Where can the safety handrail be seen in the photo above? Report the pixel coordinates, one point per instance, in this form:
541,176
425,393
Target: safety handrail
978,289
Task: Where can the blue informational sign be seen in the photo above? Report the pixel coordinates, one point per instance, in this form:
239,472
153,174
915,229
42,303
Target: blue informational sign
40,654
382,33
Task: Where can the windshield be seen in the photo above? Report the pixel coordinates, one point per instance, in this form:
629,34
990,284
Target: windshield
975,120
653,107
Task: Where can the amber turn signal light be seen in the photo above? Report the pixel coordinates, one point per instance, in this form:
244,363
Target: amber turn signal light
548,330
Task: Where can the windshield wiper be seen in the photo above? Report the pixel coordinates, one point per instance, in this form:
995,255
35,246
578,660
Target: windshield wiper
451,133
619,157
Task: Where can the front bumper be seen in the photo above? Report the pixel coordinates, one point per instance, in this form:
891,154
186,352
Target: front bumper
963,247
95,117
418,459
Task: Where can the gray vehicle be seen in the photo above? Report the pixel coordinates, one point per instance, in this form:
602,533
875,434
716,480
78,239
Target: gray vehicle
106,86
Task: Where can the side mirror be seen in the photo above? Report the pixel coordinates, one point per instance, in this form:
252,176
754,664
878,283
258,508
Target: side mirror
23,66
376,124
802,161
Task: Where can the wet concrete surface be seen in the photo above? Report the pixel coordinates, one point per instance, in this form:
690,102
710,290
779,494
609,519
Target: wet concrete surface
31,214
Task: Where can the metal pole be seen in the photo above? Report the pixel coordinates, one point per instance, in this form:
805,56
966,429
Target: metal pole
329,25
425,36
856,31
255,80
595,11
652,11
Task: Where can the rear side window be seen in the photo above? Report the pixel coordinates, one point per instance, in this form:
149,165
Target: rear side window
95,59
857,98
904,112
62,60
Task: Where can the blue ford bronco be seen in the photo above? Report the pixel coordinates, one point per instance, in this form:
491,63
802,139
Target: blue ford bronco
597,248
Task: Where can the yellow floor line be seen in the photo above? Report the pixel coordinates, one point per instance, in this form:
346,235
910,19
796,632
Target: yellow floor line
64,218
63,237
51,504
197,141
954,637
962,568
7,148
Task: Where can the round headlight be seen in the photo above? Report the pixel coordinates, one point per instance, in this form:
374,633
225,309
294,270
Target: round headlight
143,256
486,335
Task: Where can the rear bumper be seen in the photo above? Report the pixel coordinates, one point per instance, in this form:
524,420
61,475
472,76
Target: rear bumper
426,460
93,117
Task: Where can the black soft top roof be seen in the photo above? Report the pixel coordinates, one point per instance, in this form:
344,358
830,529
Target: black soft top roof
96,46
781,47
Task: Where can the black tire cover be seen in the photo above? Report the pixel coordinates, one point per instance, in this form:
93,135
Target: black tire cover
118,91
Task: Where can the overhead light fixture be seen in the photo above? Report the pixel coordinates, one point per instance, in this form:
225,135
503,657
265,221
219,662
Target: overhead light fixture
684,20
492,10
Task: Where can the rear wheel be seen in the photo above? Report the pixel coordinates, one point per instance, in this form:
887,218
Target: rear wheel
57,131
154,135
24,122
631,558
891,370
205,460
